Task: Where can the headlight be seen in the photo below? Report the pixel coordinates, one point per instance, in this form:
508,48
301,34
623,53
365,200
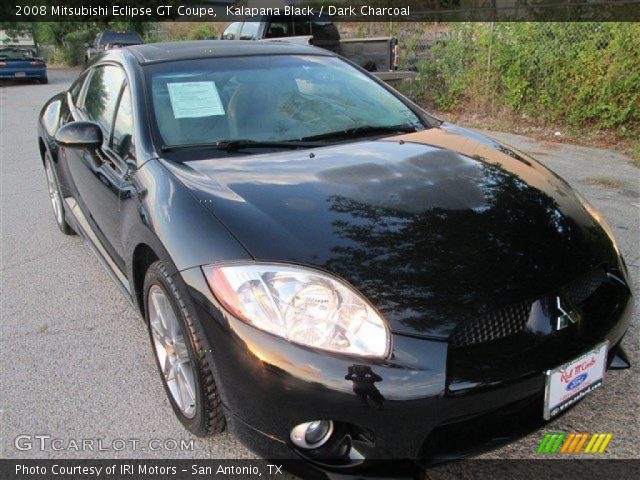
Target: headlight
597,216
304,306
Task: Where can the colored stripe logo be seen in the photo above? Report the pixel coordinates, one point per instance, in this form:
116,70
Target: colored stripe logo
572,443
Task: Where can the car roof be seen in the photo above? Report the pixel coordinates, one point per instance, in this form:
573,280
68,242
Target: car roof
173,51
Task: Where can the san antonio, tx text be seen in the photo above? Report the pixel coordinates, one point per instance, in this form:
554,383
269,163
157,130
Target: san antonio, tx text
142,469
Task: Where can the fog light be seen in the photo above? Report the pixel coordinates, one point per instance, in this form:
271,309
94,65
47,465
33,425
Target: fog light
312,434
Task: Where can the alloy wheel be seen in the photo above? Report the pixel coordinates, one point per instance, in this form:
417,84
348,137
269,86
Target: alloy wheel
54,193
171,351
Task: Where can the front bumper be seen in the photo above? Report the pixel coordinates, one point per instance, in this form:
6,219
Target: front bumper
429,404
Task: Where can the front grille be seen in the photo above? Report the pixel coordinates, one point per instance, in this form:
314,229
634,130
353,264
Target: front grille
499,324
513,319
577,292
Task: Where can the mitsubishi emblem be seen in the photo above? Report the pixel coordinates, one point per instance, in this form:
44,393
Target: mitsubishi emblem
566,314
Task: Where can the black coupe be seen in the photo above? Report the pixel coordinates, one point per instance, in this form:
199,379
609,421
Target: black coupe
322,265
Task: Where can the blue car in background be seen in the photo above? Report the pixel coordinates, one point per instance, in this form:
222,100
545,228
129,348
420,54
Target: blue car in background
22,63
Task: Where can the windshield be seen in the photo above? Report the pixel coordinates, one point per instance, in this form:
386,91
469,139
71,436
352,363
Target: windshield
269,99
16,53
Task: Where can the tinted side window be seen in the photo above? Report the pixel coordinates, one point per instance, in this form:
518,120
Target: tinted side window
279,29
230,32
76,88
123,142
101,95
249,30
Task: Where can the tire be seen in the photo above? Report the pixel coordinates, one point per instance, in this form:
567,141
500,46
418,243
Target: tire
44,80
55,196
197,405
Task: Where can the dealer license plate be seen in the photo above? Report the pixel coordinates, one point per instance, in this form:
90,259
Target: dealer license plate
571,382
21,74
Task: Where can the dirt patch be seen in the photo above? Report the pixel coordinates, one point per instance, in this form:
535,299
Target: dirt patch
549,135
604,182
537,154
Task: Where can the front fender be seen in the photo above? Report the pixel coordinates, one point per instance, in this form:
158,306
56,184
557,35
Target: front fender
165,216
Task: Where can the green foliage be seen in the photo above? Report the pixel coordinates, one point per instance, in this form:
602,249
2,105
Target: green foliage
582,74
15,30
179,31
205,30
68,38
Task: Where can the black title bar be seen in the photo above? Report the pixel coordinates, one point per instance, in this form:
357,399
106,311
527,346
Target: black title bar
337,10
196,469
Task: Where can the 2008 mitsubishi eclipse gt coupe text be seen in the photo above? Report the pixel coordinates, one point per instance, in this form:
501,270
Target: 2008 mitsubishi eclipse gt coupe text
296,233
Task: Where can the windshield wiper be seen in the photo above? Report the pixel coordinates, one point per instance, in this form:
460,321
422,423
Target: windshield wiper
232,145
364,131
304,142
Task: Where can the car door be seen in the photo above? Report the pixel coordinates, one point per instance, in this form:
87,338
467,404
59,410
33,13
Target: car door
98,175
122,152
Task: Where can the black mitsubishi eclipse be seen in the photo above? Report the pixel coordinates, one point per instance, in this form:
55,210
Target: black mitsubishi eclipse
324,267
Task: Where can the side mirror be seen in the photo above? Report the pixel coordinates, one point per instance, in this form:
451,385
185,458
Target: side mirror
85,135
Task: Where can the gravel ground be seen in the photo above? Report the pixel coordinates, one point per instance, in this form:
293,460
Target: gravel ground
76,359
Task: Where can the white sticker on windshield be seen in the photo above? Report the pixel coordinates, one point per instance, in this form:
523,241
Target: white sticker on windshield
195,99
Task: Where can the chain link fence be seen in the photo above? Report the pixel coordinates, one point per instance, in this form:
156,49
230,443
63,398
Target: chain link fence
579,73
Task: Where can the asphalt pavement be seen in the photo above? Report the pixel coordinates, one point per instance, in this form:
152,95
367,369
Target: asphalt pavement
76,360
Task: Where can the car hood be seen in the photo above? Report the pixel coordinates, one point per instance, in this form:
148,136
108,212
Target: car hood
432,227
